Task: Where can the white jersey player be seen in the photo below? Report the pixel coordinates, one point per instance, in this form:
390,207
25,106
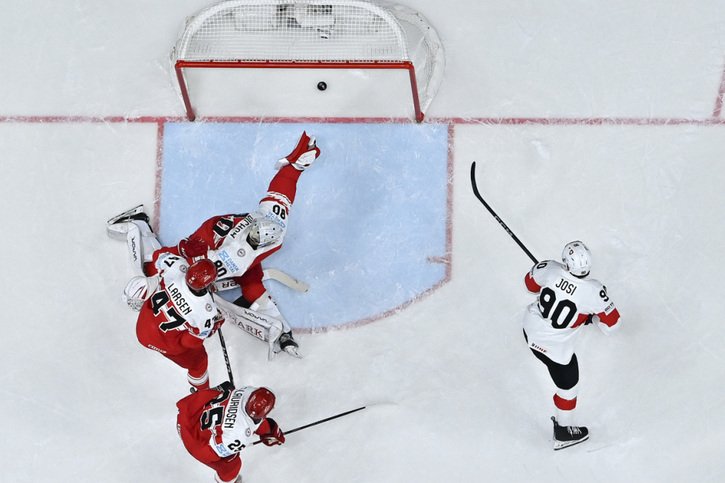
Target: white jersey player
567,300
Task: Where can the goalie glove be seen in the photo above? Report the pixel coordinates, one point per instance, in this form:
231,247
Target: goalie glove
303,155
274,436
138,290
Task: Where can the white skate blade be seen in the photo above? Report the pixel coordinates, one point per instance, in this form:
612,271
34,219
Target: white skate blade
293,351
133,211
565,444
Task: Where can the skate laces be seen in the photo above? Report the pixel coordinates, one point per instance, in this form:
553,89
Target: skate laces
574,430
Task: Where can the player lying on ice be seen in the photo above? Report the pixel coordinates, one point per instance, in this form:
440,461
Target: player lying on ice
216,424
236,244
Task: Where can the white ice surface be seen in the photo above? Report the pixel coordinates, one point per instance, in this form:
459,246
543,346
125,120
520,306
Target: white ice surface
453,393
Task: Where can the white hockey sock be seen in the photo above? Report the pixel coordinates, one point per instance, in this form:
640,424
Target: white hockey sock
565,403
198,381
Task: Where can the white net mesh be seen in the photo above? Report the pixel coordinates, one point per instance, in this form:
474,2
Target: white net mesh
323,31
276,30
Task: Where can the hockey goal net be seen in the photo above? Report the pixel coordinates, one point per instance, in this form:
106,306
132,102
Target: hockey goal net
312,34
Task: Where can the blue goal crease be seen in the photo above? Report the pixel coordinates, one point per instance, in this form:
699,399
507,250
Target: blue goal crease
369,215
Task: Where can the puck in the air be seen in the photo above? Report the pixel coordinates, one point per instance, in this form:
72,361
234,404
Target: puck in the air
322,85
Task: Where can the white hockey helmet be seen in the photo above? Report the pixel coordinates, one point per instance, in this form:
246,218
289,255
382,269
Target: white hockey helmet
265,231
577,258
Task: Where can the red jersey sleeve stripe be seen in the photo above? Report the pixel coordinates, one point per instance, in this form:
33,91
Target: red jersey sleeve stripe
609,319
531,284
580,319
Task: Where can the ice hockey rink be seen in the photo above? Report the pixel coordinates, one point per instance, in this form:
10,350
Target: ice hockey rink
599,121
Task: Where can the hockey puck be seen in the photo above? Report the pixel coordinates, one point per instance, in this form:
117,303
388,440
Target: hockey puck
321,86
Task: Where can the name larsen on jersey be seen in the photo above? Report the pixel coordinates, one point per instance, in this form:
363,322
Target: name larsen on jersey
178,299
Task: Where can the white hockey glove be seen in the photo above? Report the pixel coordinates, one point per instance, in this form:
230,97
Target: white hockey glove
303,155
138,290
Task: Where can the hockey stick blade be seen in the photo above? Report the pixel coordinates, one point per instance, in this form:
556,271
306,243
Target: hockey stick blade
285,279
269,274
493,213
300,428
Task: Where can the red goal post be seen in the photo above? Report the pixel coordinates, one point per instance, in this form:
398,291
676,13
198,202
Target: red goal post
312,34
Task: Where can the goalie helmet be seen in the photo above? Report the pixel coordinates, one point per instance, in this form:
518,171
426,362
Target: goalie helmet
260,403
201,274
577,258
265,232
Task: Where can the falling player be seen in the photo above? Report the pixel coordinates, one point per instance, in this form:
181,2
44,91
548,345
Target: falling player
176,310
566,301
216,424
177,317
236,244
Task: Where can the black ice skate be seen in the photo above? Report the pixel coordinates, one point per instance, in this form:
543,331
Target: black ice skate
116,227
288,344
565,436
135,213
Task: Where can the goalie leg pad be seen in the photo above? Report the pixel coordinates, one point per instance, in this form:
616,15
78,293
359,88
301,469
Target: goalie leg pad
286,342
259,325
265,305
141,242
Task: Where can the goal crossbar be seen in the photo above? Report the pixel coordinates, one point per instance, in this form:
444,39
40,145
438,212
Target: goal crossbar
311,34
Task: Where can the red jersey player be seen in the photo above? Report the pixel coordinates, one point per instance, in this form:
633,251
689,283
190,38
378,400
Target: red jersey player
176,311
216,424
566,301
236,244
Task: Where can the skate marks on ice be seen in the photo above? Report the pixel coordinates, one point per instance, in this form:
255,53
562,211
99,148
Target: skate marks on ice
368,231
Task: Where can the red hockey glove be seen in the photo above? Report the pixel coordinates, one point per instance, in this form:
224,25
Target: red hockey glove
275,435
191,248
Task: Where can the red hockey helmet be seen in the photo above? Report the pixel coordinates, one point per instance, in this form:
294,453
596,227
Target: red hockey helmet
260,403
201,274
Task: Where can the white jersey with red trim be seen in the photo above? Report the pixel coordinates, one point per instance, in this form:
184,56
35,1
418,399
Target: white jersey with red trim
563,305
228,236
231,427
184,310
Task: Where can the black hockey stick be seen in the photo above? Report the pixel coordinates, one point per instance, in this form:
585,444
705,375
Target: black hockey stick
500,221
226,357
320,422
